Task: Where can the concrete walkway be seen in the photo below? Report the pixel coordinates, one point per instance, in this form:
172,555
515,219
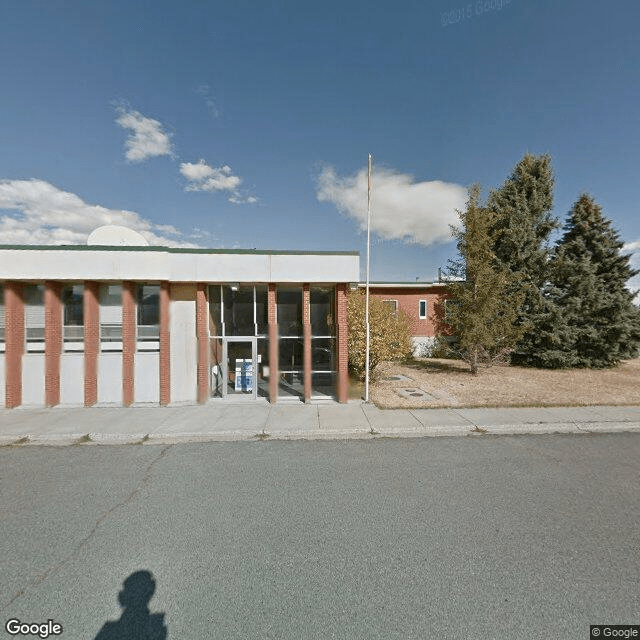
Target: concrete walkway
223,421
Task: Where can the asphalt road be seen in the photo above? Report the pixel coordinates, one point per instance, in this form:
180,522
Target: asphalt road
477,537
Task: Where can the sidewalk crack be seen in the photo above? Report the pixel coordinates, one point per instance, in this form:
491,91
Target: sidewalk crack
366,417
464,418
85,541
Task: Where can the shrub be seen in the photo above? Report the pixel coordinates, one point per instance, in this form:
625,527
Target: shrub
389,334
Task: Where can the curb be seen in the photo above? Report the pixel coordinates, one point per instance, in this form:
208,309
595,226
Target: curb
87,439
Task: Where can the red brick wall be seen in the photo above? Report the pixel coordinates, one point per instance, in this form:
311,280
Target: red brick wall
202,332
306,333
52,342
91,310
165,365
408,301
128,341
273,343
342,349
14,342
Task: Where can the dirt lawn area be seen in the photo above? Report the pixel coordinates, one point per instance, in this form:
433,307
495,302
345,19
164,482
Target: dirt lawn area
430,382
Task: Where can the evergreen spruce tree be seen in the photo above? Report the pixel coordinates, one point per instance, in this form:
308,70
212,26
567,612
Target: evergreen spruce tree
484,314
600,325
522,226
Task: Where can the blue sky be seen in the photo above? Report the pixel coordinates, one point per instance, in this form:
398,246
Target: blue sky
247,124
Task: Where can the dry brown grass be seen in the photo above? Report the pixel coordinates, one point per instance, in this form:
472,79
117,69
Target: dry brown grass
451,385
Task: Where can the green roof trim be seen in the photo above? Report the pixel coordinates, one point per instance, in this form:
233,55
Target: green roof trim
84,247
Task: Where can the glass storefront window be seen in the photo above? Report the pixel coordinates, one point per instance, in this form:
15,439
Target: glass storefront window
322,354
111,316
262,310
215,310
264,371
290,356
73,316
289,310
33,295
148,304
323,365
237,310
237,305
322,301
216,367
148,316
323,385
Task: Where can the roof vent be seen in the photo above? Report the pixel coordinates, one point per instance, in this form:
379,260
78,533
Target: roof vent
114,235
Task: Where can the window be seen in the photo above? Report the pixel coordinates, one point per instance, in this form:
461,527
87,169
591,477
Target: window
322,311
148,317
238,310
290,345
393,305
215,310
289,310
111,317
262,310
73,317
323,342
422,304
33,296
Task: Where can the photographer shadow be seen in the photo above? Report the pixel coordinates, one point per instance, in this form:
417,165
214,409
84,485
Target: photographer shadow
136,622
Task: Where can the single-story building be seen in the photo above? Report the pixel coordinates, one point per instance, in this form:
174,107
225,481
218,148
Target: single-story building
423,302
110,323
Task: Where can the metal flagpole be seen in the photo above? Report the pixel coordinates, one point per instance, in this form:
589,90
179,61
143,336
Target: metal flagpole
366,312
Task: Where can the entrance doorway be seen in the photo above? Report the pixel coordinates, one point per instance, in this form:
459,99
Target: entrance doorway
239,368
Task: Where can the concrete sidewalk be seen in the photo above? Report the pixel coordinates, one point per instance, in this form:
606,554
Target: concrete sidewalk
244,421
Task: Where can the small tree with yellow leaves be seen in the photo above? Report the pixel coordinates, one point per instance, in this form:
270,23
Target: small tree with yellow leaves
389,334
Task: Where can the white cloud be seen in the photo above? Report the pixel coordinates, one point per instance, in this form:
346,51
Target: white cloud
147,138
203,177
40,213
401,209
238,199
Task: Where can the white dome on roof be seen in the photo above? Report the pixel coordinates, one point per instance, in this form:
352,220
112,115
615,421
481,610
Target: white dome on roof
115,235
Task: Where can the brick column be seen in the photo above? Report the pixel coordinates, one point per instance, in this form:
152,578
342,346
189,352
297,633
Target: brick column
128,341
91,312
202,333
342,354
52,342
273,343
14,343
165,370
306,344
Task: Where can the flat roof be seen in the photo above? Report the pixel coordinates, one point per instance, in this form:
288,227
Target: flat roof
175,264
408,285
97,247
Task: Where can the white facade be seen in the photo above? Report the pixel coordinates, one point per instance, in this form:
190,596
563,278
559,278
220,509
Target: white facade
114,372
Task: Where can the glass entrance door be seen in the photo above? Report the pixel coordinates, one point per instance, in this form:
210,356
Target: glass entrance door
240,364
